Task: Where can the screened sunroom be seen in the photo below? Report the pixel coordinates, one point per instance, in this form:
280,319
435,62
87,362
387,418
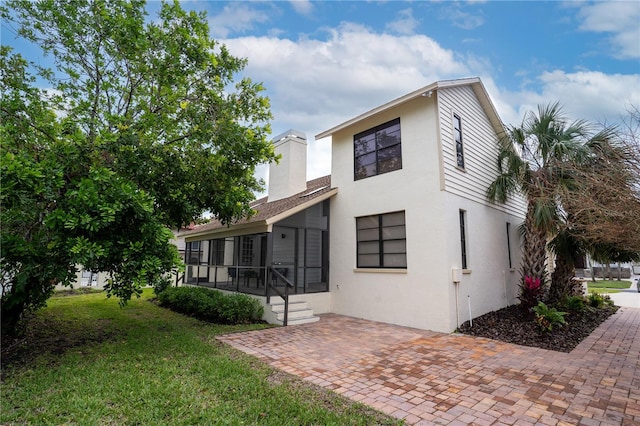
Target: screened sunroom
290,236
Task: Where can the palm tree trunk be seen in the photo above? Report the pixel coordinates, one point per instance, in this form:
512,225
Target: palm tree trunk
534,260
561,279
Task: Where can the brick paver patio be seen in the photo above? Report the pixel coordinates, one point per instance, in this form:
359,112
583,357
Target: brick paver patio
434,378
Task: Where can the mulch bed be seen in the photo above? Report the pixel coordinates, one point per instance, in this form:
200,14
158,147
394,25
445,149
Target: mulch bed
514,325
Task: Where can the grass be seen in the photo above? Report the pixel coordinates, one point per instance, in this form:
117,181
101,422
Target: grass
603,290
608,284
85,360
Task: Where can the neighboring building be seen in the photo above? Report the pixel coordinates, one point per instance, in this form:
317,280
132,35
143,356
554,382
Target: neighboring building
85,278
401,232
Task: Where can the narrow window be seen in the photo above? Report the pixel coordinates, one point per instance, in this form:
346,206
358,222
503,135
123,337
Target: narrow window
377,150
457,134
382,241
509,244
463,238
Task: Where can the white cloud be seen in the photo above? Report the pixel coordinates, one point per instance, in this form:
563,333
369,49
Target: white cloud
619,18
588,95
405,23
235,18
303,7
316,84
461,19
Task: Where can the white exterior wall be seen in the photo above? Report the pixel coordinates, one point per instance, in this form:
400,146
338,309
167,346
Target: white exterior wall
431,190
488,283
416,296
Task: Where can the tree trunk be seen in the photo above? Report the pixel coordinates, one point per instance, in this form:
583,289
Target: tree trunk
619,272
534,260
561,279
534,256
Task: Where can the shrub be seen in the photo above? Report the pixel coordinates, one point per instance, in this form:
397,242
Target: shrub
548,317
212,305
161,285
573,303
530,292
595,300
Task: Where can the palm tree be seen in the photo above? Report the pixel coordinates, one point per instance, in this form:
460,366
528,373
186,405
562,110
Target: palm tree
534,160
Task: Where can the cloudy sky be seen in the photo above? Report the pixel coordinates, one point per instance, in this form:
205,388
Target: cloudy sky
325,62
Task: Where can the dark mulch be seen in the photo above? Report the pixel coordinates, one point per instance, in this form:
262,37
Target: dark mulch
514,325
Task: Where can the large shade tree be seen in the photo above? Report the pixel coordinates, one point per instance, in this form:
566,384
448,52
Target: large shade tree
538,159
142,125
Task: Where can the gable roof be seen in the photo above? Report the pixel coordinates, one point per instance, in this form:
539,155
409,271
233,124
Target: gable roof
474,82
268,213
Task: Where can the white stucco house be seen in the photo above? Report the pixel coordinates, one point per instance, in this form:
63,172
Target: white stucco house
400,232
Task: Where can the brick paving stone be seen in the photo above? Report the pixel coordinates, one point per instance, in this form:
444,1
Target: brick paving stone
429,378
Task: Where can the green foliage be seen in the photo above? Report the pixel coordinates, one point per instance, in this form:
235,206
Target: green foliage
548,317
141,129
573,303
212,305
161,284
599,301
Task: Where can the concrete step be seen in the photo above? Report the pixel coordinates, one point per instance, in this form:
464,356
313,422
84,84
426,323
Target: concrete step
293,306
299,313
304,320
295,313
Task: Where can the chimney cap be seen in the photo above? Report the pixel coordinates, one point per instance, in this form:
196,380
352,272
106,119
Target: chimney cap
291,133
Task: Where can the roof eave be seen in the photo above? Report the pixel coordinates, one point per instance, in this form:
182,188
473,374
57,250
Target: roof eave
325,196
416,93
264,225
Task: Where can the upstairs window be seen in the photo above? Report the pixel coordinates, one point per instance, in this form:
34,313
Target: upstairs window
382,241
457,135
377,151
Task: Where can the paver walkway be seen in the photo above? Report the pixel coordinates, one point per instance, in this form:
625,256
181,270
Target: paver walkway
434,378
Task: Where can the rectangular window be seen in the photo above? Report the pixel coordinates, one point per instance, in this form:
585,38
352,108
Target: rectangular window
463,238
382,241
457,135
378,150
509,244
217,251
193,253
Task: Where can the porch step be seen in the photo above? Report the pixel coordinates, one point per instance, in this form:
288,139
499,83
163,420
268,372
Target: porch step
299,313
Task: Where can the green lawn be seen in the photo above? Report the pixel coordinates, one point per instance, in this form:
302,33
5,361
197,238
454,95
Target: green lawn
609,284
88,361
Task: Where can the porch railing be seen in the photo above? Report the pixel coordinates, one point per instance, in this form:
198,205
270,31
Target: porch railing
275,275
179,277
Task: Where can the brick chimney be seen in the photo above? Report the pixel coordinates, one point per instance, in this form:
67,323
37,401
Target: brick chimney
290,176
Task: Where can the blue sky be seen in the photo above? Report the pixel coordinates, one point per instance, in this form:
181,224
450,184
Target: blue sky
325,62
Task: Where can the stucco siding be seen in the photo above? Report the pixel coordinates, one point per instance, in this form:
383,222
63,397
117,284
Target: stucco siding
479,147
415,296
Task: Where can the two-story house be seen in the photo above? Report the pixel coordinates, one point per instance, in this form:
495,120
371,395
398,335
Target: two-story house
402,231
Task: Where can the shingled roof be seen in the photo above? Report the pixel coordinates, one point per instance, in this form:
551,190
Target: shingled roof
269,212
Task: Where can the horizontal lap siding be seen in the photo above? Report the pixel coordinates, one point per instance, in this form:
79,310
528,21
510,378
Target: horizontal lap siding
479,148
